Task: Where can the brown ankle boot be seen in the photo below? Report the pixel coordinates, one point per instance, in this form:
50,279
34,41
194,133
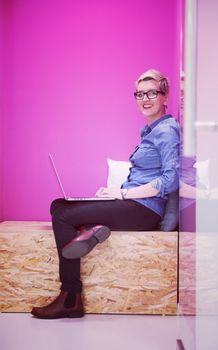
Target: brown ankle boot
88,238
61,308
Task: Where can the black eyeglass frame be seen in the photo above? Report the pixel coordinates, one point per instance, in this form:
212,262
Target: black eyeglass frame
146,93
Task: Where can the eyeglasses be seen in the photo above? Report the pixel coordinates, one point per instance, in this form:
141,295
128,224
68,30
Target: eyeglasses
139,95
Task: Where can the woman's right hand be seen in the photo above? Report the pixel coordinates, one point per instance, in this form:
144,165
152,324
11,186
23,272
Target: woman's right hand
109,192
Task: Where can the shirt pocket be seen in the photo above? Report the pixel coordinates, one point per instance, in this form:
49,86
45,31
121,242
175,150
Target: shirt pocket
146,157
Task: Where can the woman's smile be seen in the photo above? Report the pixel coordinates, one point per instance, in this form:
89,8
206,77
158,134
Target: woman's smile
147,105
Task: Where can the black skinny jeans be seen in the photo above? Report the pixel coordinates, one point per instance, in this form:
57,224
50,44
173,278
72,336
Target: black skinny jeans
118,215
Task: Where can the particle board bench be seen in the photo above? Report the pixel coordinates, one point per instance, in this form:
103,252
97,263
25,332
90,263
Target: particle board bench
130,273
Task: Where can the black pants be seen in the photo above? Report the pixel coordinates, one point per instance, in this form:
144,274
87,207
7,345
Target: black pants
118,215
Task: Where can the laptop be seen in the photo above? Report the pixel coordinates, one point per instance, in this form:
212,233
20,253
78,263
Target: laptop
74,198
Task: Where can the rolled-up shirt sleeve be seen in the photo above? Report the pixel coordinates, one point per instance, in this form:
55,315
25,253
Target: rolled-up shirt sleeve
167,142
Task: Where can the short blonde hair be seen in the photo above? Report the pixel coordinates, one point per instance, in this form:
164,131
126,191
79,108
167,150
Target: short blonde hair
153,74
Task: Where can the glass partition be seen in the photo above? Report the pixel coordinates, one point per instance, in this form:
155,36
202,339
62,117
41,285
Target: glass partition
198,261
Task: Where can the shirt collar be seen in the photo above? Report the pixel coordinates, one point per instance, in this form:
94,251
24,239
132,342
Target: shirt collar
148,128
156,122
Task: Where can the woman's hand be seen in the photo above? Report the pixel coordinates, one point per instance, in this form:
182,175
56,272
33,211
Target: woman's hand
109,192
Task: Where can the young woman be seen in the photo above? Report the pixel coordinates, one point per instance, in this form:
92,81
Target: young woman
138,206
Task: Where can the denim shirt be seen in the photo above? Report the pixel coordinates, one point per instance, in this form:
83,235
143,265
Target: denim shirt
156,161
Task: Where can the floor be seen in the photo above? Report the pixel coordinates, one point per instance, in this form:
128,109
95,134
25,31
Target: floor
95,332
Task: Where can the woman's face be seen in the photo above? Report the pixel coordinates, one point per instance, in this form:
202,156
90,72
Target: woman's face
151,108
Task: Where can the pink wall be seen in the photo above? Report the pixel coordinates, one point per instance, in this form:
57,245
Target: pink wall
71,68
1,105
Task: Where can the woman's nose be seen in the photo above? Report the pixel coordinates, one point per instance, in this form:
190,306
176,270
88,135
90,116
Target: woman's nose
145,97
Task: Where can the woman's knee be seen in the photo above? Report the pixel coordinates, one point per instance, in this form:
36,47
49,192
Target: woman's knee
56,204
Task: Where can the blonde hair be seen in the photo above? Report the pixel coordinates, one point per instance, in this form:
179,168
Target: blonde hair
153,74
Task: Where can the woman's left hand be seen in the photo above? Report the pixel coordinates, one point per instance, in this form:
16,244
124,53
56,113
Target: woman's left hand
109,192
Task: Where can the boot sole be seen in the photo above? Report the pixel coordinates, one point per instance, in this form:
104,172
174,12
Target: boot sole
79,249
68,315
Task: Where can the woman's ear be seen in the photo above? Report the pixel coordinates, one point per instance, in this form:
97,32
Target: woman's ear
166,100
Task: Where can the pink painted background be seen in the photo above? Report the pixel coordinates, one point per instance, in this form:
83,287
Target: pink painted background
68,85
1,105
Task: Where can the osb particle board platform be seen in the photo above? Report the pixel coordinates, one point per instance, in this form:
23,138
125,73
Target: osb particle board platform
130,273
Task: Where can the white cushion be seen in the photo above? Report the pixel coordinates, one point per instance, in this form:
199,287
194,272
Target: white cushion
117,172
202,168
